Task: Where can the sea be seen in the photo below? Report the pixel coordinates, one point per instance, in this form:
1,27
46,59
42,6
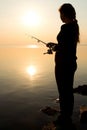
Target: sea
27,84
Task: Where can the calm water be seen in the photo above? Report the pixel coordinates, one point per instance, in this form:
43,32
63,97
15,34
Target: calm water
27,84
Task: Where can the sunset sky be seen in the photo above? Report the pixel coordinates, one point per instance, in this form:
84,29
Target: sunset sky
20,18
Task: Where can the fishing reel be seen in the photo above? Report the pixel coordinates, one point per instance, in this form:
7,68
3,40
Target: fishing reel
51,47
49,51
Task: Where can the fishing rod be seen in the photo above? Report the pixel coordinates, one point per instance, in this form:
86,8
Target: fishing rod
49,51
38,40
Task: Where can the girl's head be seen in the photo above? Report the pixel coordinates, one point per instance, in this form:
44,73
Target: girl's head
67,11
68,14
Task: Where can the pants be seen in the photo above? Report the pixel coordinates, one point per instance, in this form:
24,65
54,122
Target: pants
64,75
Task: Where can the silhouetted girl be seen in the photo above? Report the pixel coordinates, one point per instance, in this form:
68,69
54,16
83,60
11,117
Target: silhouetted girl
65,61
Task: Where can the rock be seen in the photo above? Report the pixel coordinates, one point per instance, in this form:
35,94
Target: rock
50,111
82,89
83,119
83,114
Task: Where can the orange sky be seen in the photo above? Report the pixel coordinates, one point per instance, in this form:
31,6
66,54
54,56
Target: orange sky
43,21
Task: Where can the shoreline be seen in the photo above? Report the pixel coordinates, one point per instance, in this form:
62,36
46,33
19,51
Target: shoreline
75,120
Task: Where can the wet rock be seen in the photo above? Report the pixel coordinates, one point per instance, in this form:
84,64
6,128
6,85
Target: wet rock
49,111
83,119
82,89
83,114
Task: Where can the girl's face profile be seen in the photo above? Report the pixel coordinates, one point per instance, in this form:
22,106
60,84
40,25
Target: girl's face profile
65,19
62,17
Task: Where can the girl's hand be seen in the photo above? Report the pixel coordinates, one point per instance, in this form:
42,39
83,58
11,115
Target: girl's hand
50,44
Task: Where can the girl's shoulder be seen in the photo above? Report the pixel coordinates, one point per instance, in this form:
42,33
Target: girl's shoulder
69,26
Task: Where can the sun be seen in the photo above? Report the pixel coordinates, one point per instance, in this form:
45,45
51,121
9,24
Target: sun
31,18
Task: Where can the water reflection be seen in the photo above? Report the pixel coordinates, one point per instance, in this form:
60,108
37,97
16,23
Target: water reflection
31,70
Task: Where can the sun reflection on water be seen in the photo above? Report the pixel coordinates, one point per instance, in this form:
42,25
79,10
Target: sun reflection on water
31,70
